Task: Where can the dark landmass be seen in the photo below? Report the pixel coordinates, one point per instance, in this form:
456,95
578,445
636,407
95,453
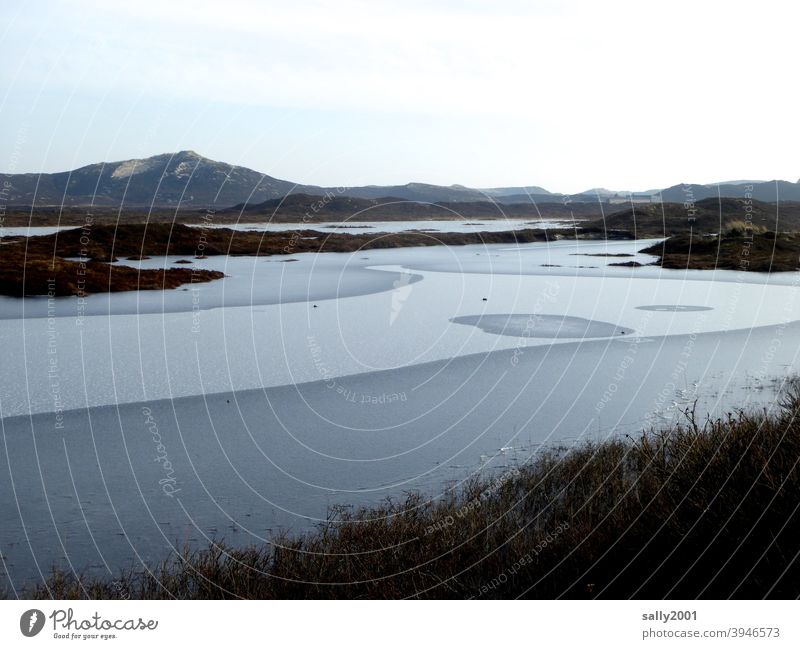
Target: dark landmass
335,207
657,220
693,511
55,277
709,216
632,264
758,252
107,243
308,210
601,254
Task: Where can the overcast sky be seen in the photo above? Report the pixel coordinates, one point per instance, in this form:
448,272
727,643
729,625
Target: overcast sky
566,95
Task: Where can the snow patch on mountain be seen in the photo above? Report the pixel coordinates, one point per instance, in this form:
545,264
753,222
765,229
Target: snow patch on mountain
132,167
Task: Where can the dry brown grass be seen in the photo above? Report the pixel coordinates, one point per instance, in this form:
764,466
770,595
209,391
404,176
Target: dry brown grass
740,227
24,274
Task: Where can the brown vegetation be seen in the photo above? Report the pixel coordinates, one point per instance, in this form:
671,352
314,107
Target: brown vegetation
22,275
736,250
708,216
106,243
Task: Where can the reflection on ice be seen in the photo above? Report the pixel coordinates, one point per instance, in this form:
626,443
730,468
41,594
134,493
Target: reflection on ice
674,308
532,325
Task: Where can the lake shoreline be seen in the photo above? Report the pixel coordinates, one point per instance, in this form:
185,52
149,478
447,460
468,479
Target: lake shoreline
51,269
607,519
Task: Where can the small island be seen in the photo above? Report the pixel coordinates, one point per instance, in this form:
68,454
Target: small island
57,277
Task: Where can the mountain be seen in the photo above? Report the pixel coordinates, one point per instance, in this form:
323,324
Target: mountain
165,180
190,180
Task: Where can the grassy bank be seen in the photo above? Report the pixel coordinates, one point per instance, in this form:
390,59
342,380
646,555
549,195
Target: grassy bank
55,276
744,249
693,511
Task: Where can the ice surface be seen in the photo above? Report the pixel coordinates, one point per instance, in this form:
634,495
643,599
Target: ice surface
535,325
342,379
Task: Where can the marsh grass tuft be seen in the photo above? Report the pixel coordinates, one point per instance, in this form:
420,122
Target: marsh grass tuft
741,228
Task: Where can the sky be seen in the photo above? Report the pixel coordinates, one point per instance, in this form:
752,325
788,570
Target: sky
565,95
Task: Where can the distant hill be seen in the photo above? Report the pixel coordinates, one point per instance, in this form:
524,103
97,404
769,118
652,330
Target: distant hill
708,215
418,192
500,192
190,180
333,207
769,192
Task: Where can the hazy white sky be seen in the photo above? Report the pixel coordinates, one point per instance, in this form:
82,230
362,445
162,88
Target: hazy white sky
566,95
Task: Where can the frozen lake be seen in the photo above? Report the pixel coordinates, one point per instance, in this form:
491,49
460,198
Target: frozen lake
290,386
